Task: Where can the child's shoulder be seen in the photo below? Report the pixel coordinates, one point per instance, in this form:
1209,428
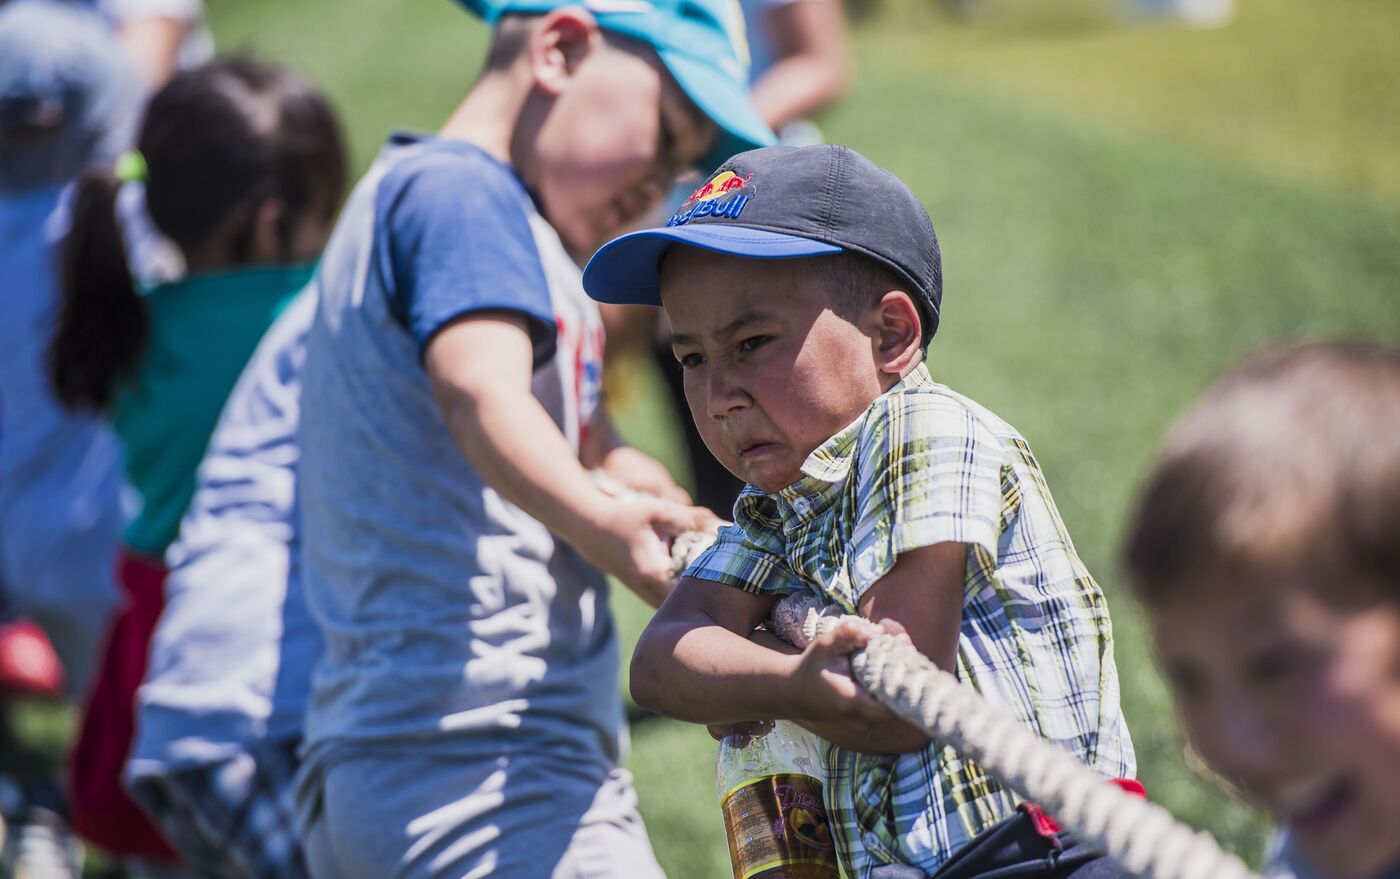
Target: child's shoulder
413,168
448,207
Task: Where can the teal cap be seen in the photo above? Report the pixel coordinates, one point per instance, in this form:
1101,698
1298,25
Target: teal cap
702,44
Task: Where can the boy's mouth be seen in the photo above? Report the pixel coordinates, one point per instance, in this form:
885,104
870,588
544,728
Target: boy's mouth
749,451
1314,806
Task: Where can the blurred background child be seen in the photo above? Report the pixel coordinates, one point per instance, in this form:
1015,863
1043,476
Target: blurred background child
800,62
170,277
1266,548
220,712
160,36
68,102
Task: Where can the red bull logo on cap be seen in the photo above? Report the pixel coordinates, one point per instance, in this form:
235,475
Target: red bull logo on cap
709,200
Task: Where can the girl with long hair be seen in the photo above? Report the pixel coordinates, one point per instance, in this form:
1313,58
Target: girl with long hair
174,266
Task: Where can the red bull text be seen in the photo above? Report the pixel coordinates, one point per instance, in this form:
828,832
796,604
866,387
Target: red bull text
706,201
727,209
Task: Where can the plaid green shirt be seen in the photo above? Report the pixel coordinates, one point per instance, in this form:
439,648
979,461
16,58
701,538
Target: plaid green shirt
922,466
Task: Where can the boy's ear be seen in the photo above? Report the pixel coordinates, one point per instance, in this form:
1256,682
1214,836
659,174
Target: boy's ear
267,240
899,330
560,43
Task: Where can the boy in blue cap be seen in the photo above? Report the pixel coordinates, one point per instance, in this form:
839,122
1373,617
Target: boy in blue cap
464,717
803,286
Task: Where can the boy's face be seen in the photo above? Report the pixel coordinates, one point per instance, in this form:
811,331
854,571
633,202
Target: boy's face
617,135
771,371
1292,693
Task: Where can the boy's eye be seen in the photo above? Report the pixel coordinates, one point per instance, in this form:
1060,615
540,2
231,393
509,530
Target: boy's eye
1277,666
689,361
667,161
753,343
1187,682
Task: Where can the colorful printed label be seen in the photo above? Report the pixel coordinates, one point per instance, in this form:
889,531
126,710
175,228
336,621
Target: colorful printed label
723,196
778,829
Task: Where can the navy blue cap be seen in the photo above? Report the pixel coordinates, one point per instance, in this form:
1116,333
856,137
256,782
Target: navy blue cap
782,202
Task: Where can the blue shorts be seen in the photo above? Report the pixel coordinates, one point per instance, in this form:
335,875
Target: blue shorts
409,816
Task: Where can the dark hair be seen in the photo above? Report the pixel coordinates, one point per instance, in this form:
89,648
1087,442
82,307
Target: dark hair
857,282
509,38
218,141
1290,466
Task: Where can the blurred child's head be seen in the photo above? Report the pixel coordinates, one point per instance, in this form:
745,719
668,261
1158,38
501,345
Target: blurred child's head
1266,548
617,100
240,164
801,283
68,96
246,164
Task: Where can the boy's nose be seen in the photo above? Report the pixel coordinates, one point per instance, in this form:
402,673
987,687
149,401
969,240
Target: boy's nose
725,396
1244,745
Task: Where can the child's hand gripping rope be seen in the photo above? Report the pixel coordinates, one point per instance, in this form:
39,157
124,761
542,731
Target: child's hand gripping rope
1143,837
683,547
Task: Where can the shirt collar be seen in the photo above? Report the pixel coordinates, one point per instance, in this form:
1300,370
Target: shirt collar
825,470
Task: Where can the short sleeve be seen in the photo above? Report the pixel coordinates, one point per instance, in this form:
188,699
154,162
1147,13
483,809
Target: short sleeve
187,11
454,238
749,553
928,472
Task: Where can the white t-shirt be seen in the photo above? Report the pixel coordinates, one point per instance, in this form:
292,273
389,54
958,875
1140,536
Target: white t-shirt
231,658
198,45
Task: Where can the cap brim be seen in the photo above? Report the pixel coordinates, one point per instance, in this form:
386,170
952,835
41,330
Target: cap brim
722,96
627,270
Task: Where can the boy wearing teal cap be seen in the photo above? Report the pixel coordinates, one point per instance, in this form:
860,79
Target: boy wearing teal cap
464,718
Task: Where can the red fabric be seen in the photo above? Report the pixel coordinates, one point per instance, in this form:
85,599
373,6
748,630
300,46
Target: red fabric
28,665
103,814
1044,824
1047,826
1132,786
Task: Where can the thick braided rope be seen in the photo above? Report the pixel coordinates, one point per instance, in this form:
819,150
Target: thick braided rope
1143,837
685,549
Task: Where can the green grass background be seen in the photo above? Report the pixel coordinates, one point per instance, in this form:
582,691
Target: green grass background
1124,211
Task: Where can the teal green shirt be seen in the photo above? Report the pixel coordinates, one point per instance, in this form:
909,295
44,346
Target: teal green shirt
202,331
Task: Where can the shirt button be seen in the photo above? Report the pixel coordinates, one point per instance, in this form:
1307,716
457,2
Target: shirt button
801,506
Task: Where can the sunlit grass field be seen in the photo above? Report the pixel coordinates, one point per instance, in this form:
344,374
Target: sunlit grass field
1123,211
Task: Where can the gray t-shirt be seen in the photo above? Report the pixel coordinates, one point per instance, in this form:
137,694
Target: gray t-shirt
454,622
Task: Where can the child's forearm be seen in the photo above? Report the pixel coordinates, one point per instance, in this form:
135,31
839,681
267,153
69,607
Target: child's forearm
480,370
893,735
517,449
705,673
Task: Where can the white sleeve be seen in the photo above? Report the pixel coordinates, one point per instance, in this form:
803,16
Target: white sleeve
190,12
